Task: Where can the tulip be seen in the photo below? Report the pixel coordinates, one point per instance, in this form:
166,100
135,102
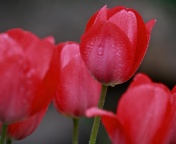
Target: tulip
173,133
144,114
114,44
27,67
77,91
22,129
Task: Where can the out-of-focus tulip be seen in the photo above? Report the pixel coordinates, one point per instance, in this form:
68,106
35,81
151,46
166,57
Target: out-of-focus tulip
144,114
22,129
77,90
27,67
114,44
173,100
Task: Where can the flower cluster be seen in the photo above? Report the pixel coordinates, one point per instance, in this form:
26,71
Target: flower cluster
75,76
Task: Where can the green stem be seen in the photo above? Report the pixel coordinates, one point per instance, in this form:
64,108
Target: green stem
97,119
9,141
75,130
3,134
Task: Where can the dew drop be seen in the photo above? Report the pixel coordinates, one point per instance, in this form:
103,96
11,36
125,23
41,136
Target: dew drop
113,84
92,43
117,53
112,46
100,50
30,73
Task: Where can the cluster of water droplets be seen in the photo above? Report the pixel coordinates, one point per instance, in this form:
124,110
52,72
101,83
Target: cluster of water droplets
27,81
120,47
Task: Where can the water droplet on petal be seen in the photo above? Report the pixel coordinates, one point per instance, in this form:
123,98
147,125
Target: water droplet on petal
113,85
100,50
112,46
92,43
30,73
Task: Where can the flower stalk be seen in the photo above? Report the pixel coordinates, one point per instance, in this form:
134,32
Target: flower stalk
97,119
75,130
8,141
3,134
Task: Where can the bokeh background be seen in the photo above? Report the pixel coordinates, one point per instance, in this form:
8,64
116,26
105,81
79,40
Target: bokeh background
66,20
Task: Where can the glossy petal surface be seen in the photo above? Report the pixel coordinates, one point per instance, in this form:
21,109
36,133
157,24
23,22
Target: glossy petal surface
173,100
144,114
109,45
77,90
25,60
145,111
23,129
114,44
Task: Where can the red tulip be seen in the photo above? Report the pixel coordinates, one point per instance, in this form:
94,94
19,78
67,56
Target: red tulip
77,90
22,129
27,63
114,44
173,100
144,114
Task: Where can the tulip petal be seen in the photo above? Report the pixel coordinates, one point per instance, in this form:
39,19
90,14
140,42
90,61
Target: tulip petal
77,90
126,21
70,50
140,79
142,41
173,96
50,39
149,26
115,10
146,112
9,48
107,53
32,46
17,87
173,100
101,15
22,129
49,85
112,125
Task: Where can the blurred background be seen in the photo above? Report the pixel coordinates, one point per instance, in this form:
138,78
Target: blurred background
66,20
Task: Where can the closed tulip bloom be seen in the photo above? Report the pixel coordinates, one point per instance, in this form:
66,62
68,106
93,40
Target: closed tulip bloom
144,114
114,44
77,90
27,64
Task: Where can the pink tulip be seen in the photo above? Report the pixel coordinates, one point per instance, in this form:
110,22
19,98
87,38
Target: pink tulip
77,90
173,100
114,44
22,129
144,114
27,74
